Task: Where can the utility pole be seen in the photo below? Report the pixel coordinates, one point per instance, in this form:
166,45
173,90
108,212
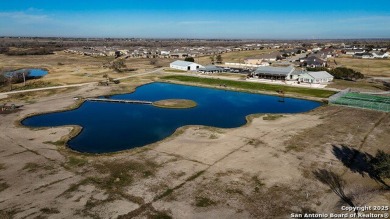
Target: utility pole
24,79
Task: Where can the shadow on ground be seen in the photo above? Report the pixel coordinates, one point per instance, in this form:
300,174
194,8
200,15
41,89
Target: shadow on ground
357,162
335,183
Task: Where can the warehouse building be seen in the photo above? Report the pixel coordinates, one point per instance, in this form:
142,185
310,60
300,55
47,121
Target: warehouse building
185,66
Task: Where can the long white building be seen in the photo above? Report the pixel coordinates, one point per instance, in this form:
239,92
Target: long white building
185,66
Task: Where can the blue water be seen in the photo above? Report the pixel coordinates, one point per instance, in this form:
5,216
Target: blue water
110,127
29,73
37,72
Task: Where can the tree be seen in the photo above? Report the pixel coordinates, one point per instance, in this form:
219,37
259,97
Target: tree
3,79
346,73
118,65
381,164
219,59
212,59
189,59
153,61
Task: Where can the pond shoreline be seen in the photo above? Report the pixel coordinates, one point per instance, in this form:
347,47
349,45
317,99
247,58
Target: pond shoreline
212,111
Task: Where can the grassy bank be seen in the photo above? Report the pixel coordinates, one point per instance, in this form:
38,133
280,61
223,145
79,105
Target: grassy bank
175,104
253,86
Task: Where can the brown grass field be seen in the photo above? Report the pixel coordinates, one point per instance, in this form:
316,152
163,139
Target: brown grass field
238,57
65,68
369,67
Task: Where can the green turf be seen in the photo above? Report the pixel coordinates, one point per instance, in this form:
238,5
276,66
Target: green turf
252,86
366,101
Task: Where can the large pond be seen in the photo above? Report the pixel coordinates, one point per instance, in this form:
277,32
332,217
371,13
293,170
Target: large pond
110,127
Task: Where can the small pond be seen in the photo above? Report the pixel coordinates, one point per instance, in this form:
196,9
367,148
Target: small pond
29,73
110,127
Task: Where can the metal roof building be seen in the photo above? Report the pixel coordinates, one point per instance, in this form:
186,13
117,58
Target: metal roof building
210,69
185,66
279,73
316,77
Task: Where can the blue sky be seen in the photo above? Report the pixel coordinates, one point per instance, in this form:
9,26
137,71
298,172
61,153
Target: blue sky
197,19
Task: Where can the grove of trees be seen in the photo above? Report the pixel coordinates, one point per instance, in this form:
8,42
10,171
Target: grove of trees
340,73
189,59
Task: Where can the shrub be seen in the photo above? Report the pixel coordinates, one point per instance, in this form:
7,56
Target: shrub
381,164
3,80
189,59
203,202
346,73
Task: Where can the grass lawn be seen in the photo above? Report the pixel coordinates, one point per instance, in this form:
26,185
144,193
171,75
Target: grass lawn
253,86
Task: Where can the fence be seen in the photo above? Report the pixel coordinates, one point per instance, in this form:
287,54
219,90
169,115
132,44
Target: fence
359,100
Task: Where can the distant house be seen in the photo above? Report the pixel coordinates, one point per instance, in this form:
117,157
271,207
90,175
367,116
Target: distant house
354,51
372,55
276,73
185,66
381,55
326,53
165,53
365,55
318,77
312,62
379,49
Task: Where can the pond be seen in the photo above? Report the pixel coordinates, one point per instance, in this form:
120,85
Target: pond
37,72
29,73
111,127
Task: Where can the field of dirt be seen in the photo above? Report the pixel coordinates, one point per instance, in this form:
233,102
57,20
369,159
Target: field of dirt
269,168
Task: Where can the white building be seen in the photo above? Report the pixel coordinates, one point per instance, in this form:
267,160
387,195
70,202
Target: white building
354,51
380,55
165,52
185,66
315,77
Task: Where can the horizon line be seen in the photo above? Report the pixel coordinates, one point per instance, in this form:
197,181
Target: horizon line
185,38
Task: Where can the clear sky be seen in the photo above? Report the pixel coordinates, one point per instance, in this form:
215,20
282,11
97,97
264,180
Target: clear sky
272,19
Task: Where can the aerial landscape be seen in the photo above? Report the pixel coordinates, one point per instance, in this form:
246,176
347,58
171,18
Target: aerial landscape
213,109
